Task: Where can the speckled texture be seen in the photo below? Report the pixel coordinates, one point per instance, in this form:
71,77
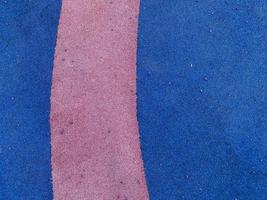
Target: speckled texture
27,41
95,140
202,98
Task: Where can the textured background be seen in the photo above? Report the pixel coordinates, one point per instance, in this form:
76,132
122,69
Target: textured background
27,41
202,98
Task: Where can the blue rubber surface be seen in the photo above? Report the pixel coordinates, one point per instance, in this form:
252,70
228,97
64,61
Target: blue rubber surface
202,98
27,41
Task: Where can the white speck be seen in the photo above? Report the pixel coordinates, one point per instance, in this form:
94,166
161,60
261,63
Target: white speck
191,65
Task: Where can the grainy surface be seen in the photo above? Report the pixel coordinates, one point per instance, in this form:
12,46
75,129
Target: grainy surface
27,40
202,98
95,140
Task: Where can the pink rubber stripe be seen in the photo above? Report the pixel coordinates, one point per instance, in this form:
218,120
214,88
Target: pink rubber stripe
95,141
